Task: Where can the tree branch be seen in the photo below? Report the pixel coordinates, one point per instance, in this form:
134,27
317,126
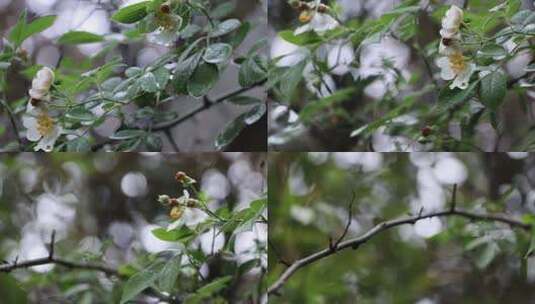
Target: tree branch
207,104
51,259
356,242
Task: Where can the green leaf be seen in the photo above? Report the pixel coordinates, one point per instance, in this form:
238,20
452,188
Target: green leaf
38,26
449,98
80,114
244,100
203,79
169,274
218,53
239,35
132,13
127,134
225,27
290,78
133,72
184,70
209,290
153,143
140,281
303,39
493,89
79,37
22,30
162,77
488,254
80,144
230,132
234,128
318,107
222,10
531,248
492,50
252,71
148,83
174,235
255,114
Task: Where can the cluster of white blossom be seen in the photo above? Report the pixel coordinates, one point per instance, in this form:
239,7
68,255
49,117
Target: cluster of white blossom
454,66
40,126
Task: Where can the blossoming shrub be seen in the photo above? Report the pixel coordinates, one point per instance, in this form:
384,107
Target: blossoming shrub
123,228
67,102
419,76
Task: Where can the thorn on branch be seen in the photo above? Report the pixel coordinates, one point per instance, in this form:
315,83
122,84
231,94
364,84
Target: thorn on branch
453,198
332,246
348,223
52,243
418,217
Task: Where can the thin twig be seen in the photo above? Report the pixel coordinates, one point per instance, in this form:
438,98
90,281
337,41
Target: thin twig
453,197
349,220
12,120
171,139
52,259
356,242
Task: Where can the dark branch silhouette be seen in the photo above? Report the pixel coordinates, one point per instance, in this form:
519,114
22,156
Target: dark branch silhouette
52,259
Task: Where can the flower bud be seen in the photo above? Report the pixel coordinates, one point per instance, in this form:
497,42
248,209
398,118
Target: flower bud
164,199
41,83
165,8
184,179
322,8
295,3
426,131
192,203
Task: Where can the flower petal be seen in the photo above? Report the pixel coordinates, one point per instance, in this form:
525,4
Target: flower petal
47,142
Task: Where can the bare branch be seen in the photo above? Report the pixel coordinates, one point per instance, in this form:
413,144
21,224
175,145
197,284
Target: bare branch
356,242
51,259
349,219
453,197
52,243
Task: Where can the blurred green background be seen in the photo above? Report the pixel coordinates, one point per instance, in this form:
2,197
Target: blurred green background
435,261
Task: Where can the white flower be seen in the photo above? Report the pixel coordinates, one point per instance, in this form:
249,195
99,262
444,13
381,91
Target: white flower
319,23
456,67
286,54
184,199
340,58
41,127
41,84
452,47
451,23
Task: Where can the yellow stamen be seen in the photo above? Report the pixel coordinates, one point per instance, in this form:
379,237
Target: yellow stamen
457,62
45,124
176,212
306,16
